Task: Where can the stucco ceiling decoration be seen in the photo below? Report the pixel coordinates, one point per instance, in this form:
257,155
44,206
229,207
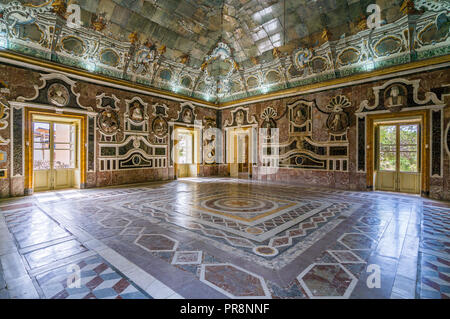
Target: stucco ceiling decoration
225,50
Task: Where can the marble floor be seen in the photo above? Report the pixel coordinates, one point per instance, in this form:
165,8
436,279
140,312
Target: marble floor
223,238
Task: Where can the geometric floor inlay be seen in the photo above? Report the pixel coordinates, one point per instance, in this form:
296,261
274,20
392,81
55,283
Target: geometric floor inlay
327,281
234,281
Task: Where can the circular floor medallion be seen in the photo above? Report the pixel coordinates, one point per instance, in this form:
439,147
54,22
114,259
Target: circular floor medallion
265,251
254,230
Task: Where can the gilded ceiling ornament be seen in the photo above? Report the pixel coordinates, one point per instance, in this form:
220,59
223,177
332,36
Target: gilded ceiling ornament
326,35
254,60
57,94
276,53
362,24
184,59
59,7
133,37
408,7
98,22
162,49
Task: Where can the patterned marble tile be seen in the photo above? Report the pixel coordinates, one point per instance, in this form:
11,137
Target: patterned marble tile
97,280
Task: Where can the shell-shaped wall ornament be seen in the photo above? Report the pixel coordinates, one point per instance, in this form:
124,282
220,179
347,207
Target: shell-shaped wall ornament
338,104
269,113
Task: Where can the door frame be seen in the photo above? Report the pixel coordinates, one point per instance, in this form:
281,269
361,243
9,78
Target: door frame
29,171
196,148
425,145
232,152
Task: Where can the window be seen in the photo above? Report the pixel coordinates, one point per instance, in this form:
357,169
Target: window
388,148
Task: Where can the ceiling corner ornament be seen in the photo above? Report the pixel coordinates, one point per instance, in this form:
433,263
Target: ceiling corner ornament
219,84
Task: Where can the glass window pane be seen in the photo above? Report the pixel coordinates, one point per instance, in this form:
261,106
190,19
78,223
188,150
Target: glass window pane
408,162
408,148
63,133
388,135
64,159
62,146
41,159
388,148
388,161
41,135
408,134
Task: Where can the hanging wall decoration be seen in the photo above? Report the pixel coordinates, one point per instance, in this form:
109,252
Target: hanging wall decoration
268,125
187,114
57,90
159,124
209,140
300,117
338,120
136,117
108,122
240,117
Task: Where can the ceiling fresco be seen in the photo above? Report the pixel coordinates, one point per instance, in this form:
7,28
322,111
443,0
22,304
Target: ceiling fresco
223,50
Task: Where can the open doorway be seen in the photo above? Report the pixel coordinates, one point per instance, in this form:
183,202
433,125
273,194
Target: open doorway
240,152
398,156
186,147
54,153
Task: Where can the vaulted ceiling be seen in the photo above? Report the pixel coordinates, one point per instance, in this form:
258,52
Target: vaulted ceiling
252,28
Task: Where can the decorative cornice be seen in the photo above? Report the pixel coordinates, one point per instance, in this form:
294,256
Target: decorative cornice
18,59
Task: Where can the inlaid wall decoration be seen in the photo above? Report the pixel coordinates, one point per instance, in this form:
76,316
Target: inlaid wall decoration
109,124
136,117
106,101
447,139
338,119
91,144
159,123
56,90
300,117
209,140
240,117
398,94
17,145
187,114
4,118
361,146
134,152
436,143
269,124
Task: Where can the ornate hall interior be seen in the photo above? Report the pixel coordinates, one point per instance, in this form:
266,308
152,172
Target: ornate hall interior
225,149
